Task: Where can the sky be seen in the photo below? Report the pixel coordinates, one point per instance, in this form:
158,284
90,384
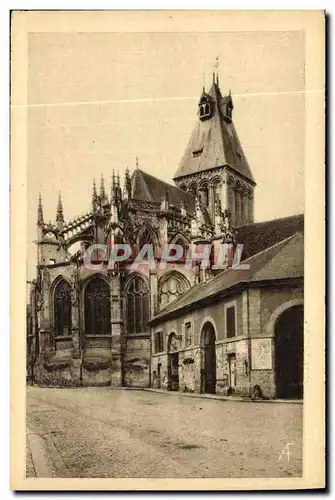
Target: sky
96,101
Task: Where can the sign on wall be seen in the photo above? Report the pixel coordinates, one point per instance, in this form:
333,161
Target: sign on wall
261,354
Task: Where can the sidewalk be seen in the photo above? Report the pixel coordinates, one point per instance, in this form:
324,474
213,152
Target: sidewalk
219,397
42,456
38,460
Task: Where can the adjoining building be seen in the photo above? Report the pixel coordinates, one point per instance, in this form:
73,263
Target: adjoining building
240,332
176,327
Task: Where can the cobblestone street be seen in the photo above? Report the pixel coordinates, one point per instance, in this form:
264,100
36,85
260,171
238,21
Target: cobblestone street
99,432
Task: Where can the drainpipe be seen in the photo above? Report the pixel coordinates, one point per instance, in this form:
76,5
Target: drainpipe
150,357
249,340
81,338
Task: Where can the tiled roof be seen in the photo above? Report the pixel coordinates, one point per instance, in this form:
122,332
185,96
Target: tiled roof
282,261
258,236
218,141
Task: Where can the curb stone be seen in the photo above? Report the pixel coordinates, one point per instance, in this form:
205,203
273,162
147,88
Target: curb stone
40,457
222,398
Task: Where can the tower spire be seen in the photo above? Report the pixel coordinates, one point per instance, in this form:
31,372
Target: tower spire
127,185
94,196
40,220
102,187
60,214
118,186
114,187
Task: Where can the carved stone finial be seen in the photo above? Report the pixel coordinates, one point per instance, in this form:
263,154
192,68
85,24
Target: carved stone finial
40,220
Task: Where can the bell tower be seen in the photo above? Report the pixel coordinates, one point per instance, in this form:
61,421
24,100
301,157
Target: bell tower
214,166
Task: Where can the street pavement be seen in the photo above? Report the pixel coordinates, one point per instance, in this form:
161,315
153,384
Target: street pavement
101,433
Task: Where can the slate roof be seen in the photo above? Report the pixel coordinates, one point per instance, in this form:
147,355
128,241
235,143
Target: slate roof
219,143
258,236
282,261
146,187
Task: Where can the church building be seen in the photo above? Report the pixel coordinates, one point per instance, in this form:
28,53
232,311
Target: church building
180,328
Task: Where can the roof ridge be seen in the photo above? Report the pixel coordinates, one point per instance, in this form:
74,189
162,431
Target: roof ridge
285,243
173,186
301,214
246,278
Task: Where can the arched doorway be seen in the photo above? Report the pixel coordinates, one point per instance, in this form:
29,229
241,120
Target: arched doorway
289,353
208,365
173,362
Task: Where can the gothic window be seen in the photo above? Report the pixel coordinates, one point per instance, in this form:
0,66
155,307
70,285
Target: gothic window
182,243
205,196
171,288
193,189
62,309
217,189
145,238
97,307
137,306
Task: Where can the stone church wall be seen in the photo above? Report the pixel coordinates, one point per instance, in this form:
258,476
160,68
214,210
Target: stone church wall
137,362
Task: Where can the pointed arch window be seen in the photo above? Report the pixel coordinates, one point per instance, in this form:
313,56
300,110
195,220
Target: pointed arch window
204,194
137,306
62,309
193,189
97,307
146,237
217,189
185,246
171,288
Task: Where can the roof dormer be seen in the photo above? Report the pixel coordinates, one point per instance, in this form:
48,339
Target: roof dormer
206,106
227,108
